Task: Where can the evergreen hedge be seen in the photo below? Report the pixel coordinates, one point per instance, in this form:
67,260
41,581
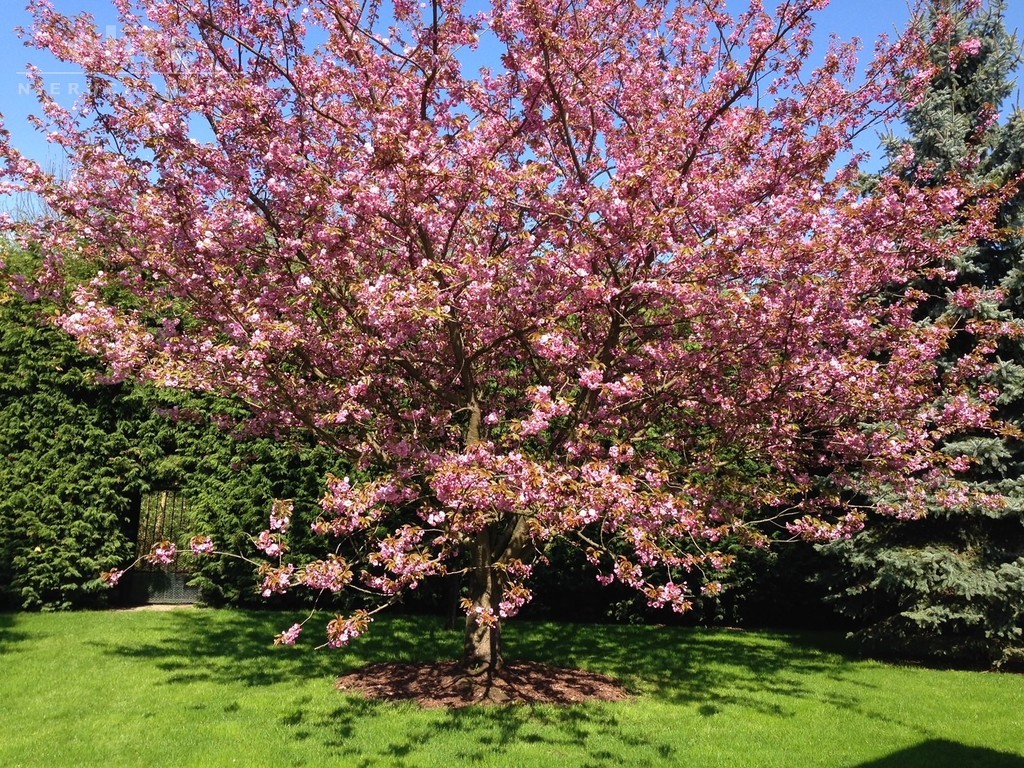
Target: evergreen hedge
69,471
77,454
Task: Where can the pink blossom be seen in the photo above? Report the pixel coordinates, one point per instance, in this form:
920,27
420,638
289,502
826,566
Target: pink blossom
513,598
289,636
435,517
711,589
670,594
811,528
162,553
271,544
544,410
948,200
628,573
971,46
201,545
591,378
111,578
280,515
276,580
964,50
482,615
554,346
332,574
341,630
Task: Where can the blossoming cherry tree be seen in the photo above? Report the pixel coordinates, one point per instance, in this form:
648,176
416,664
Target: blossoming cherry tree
616,288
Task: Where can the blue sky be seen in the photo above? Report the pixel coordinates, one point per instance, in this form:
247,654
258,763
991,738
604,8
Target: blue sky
866,19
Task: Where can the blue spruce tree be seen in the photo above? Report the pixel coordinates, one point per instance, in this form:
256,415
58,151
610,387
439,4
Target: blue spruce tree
950,588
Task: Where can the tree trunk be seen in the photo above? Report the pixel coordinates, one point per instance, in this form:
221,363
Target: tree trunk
452,600
482,653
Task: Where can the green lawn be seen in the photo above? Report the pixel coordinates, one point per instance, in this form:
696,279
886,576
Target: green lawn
207,688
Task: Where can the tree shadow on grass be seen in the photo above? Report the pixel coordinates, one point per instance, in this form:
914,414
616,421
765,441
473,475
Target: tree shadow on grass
9,637
940,753
226,646
229,647
589,736
704,670
681,666
710,668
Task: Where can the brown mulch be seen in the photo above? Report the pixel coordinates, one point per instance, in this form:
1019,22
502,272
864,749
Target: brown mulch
444,684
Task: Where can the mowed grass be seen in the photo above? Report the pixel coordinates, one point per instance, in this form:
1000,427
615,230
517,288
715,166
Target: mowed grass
207,688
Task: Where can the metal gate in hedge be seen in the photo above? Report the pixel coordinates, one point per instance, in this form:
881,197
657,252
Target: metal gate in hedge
163,516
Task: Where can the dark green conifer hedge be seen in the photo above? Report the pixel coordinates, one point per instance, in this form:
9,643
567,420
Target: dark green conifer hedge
69,469
77,454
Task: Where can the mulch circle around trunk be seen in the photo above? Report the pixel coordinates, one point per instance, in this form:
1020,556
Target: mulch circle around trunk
445,684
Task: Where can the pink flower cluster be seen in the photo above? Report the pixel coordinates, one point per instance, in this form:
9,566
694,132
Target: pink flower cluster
513,598
554,346
403,560
162,553
271,544
544,410
276,580
591,378
965,49
810,528
201,545
111,578
332,574
483,615
289,636
280,515
349,508
670,594
343,630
